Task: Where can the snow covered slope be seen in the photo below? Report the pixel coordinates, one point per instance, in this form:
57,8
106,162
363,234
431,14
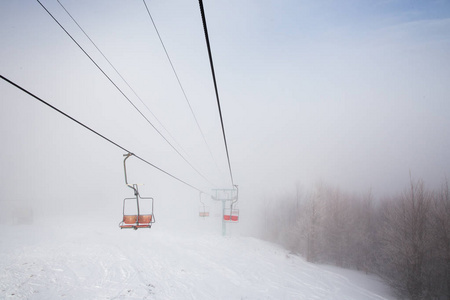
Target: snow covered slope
66,260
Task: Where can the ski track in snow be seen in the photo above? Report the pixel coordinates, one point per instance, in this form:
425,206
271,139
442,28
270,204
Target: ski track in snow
109,263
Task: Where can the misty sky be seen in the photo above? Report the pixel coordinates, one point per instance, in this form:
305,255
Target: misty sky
352,93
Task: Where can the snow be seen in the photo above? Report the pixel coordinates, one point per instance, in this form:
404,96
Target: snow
96,260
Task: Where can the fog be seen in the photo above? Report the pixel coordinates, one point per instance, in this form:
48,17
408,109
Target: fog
352,93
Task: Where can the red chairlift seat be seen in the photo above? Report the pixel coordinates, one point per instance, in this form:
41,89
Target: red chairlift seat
203,214
128,221
135,221
231,215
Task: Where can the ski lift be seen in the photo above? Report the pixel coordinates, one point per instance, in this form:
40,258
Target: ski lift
137,211
232,214
203,209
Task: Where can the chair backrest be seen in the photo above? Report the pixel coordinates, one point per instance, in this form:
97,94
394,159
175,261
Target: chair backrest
145,218
129,219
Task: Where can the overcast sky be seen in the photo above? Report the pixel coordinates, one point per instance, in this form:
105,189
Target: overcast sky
352,93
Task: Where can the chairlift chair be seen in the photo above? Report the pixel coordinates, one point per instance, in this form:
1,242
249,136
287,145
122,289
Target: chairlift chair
231,215
137,211
203,209
203,214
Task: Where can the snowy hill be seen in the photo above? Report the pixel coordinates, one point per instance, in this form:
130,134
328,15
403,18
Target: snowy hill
67,260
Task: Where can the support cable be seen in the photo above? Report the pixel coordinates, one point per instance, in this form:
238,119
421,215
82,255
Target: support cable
179,83
120,75
123,94
98,134
205,28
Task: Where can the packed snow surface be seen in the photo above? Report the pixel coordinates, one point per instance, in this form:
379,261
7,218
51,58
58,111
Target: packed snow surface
70,260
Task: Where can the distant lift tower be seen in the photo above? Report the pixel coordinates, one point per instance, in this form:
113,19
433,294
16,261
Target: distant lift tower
229,198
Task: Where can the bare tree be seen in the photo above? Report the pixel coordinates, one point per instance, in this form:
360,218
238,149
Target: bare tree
336,231
363,232
310,222
406,240
440,263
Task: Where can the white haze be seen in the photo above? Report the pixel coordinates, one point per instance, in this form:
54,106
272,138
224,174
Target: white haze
353,93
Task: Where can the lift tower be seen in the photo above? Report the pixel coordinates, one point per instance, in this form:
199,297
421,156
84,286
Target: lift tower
229,198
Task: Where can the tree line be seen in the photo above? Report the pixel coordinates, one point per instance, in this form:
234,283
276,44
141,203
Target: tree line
405,239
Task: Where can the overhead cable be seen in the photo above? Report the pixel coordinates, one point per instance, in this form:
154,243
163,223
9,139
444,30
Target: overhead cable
205,28
179,82
123,94
95,132
118,73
